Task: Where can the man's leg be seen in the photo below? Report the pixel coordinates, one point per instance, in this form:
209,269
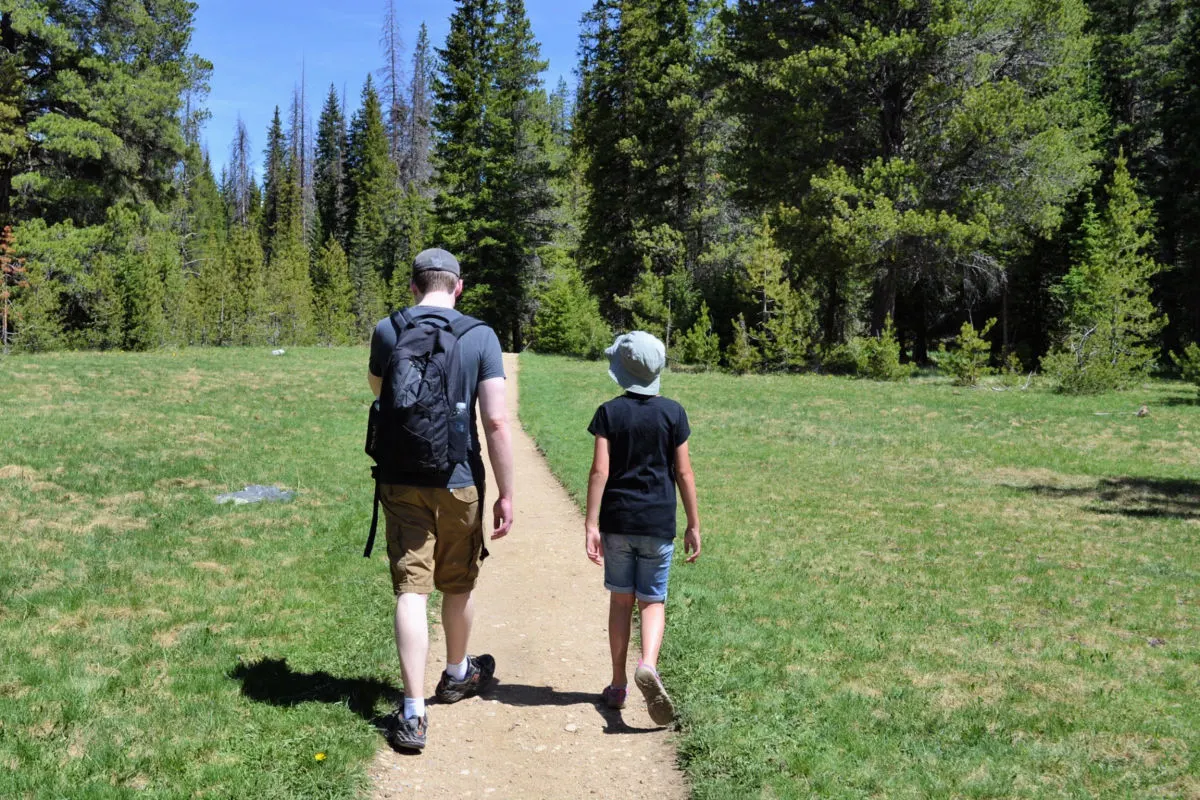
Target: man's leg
411,539
459,552
412,641
620,614
458,614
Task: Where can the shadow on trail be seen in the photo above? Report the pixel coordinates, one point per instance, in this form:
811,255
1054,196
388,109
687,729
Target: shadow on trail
272,681
517,694
1168,498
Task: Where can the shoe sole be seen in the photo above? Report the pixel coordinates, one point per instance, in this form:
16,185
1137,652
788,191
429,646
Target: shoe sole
402,745
658,702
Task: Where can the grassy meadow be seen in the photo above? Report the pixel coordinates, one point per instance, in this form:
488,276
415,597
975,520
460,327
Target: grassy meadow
923,591
155,643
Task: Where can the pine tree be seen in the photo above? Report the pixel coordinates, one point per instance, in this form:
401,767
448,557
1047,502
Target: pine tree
522,199
568,319
36,304
466,118
412,234
300,152
913,147
287,281
333,297
277,187
139,257
391,76
373,200
637,124
782,315
1110,321
289,288
329,174
700,345
202,231
416,169
238,187
90,105
742,357
566,169
250,307
646,304
1178,189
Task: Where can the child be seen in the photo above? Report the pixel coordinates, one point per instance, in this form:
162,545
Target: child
641,454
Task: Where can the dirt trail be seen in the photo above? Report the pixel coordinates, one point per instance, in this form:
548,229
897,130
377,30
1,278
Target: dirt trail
539,731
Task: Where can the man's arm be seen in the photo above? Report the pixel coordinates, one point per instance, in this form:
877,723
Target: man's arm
493,409
375,382
597,478
686,481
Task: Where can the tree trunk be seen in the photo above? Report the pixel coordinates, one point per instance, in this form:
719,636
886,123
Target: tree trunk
884,303
920,326
8,40
1004,317
830,326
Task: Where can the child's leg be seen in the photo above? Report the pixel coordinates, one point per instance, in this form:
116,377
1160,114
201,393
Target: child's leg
620,615
653,574
654,623
654,569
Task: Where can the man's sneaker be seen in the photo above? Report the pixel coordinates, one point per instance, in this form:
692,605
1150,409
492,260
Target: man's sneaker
658,702
479,674
407,733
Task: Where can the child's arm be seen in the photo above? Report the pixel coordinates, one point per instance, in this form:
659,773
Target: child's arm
686,480
596,480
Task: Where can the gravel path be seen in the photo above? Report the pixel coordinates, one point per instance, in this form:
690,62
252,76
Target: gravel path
539,731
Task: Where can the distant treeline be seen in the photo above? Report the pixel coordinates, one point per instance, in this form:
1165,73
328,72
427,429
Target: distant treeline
766,184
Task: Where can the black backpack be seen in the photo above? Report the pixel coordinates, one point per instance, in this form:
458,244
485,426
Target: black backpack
421,421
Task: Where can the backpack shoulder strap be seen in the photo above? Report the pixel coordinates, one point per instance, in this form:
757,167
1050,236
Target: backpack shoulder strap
374,514
401,321
461,326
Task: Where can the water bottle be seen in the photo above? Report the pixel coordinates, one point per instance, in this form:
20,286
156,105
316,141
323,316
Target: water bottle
458,422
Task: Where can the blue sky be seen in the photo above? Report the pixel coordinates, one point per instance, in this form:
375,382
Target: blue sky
258,48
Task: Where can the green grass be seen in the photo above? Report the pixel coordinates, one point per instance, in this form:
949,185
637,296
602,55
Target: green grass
154,642
919,591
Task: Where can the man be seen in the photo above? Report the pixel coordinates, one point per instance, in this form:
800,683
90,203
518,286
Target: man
435,520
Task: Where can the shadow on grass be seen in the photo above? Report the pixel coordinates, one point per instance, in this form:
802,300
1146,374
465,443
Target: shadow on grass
517,694
1170,498
1184,400
272,681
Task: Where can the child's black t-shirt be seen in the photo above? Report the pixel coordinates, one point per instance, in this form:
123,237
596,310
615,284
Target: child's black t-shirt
642,434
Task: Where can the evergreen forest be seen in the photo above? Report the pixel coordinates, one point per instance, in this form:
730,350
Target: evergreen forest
767,185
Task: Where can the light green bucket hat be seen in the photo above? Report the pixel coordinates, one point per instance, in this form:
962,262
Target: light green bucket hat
636,361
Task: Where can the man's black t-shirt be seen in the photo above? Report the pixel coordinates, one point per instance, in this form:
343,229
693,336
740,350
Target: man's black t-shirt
642,434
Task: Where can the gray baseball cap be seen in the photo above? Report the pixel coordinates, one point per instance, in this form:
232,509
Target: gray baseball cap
636,362
438,259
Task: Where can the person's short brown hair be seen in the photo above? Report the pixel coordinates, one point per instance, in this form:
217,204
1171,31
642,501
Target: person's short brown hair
434,280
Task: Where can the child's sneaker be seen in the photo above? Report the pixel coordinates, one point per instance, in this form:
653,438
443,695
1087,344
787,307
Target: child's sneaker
658,702
614,696
479,674
407,733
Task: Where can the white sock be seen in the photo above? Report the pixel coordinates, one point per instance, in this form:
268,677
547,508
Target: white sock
457,671
414,707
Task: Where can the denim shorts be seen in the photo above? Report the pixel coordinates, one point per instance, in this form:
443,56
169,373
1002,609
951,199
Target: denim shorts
638,565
